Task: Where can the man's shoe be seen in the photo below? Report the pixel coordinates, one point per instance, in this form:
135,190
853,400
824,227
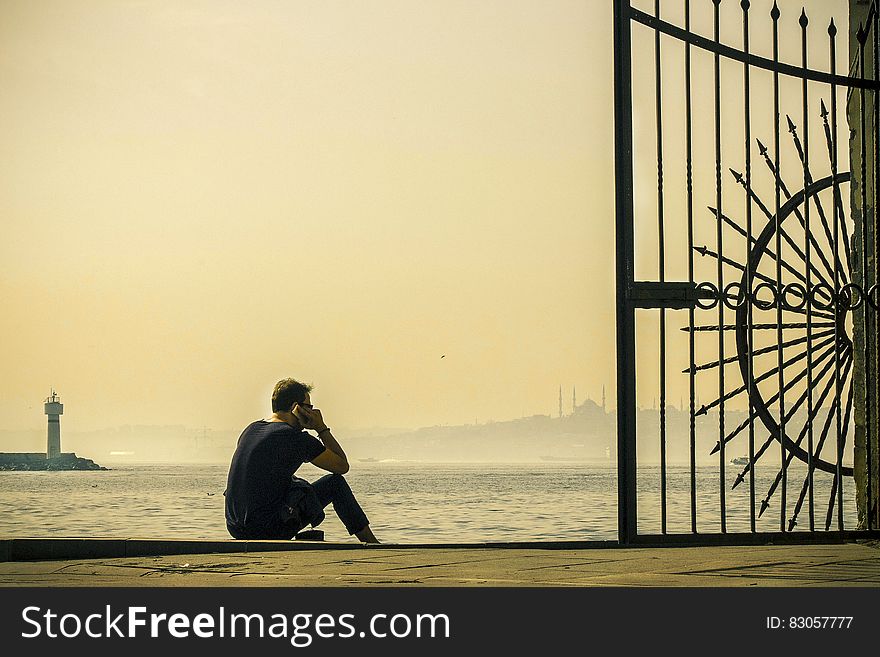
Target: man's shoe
310,535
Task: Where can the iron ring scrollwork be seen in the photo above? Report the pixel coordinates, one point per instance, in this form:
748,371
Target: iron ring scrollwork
799,292
707,292
845,297
827,291
734,301
764,304
871,297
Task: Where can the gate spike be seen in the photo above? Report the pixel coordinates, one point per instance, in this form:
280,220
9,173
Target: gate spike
832,29
837,209
745,4
704,251
730,222
774,13
770,165
764,506
818,202
757,199
770,216
739,229
792,128
762,149
804,21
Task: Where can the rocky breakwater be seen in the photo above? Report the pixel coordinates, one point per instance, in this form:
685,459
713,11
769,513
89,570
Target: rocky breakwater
38,461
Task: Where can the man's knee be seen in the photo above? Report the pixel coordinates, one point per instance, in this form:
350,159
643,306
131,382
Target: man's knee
335,481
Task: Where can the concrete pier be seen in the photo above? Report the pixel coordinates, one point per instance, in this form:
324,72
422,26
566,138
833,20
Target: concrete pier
102,562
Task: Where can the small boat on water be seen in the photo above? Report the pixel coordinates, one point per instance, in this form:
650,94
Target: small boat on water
740,460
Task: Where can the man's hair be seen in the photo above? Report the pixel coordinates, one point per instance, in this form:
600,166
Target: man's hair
287,393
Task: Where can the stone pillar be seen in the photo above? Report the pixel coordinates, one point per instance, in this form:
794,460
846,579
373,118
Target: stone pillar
864,261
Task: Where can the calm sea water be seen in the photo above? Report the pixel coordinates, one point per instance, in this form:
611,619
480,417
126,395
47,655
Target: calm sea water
406,502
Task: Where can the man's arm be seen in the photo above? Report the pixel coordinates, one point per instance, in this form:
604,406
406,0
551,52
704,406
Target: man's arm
333,458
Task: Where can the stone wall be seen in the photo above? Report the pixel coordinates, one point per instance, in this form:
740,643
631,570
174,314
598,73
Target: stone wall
858,14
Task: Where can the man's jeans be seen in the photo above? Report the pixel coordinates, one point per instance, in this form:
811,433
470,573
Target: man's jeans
334,488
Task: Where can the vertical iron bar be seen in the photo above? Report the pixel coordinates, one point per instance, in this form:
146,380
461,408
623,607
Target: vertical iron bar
627,526
807,246
747,108
774,14
832,34
866,282
690,229
720,248
861,36
658,97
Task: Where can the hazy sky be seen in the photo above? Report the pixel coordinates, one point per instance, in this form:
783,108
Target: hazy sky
408,204
200,198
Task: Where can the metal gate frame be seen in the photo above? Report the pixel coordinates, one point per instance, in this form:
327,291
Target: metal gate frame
662,294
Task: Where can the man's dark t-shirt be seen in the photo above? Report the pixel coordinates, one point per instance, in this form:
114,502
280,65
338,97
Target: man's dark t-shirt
267,455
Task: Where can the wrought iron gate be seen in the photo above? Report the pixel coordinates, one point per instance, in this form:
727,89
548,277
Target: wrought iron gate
767,246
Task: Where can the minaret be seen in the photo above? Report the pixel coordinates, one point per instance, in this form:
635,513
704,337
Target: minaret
603,399
574,402
560,401
54,408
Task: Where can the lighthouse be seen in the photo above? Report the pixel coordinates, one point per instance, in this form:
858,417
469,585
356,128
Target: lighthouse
54,408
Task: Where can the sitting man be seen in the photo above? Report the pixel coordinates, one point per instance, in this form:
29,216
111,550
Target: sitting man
264,500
